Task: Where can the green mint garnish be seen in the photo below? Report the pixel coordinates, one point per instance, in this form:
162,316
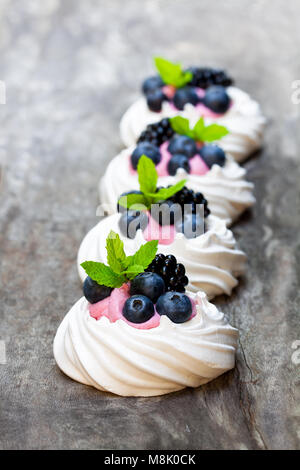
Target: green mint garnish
103,274
172,74
121,268
200,131
144,256
148,186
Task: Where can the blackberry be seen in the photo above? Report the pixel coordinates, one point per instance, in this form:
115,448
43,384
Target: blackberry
157,133
188,196
203,77
173,273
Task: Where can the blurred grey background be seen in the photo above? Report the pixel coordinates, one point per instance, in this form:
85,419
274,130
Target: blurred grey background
71,68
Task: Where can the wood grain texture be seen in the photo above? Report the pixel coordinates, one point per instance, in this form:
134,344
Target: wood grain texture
71,69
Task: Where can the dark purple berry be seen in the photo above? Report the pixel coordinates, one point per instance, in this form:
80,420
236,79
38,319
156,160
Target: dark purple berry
176,162
138,309
95,292
184,145
148,149
149,284
217,99
151,84
177,306
212,155
185,95
155,99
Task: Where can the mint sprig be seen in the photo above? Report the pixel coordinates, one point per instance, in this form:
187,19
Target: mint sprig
102,274
200,132
148,176
172,74
121,268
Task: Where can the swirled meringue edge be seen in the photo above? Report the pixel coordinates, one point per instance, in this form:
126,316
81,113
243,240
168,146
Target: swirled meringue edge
244,120
212,260
117,358
228,193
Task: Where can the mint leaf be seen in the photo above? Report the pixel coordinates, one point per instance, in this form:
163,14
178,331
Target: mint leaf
133,270
181,126
198,129
147,175
213,132
200,132
143,257
115,252
121,268
134,202
103,274
172,74
166,193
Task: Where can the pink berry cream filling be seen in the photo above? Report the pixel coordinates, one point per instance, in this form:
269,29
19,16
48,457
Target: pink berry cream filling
203,110
165,234
197,165
111,307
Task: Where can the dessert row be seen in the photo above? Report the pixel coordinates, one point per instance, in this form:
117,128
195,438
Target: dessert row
144,326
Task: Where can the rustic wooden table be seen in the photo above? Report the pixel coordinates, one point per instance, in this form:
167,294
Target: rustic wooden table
71,68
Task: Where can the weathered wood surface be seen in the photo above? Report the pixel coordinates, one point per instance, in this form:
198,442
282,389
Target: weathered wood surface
71,68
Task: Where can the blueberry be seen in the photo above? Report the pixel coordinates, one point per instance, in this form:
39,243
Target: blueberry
166,213
185,95
151,84
121,208
155,99
184,145
217,99
149,284
94,292
148,149
178,161
213,155
192,225
176,305
138,309
131,221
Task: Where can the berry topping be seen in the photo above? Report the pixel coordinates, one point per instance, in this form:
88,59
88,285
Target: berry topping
150,196
155,99
192,225
217,99
188,196
131,221
185,95
94,292
121,208
171,261
157,133
173,273
138,309
149,284
204,77
213,155
151,84
146,148
184,145
178,161
177,306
